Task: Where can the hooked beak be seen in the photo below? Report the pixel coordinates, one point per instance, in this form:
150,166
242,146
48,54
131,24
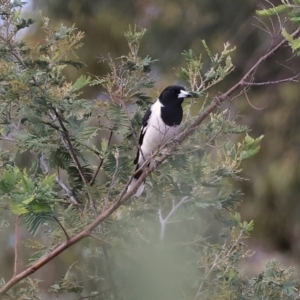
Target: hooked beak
184,94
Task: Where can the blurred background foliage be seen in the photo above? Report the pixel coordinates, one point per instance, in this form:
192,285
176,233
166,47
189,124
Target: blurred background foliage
271,194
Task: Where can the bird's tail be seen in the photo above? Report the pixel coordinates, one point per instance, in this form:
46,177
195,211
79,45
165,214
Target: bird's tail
134,180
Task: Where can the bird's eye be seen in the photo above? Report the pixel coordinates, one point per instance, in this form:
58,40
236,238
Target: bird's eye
173,91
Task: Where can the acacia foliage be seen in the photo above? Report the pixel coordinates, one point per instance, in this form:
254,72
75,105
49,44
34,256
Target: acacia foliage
161,246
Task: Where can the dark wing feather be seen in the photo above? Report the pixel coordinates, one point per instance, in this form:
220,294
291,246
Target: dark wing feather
142,134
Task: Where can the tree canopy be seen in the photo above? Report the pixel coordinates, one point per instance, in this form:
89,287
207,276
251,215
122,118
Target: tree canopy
183,239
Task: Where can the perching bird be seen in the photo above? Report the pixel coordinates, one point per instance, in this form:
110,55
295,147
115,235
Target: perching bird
160,124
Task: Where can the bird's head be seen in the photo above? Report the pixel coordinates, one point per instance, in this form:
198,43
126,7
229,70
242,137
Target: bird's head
173,94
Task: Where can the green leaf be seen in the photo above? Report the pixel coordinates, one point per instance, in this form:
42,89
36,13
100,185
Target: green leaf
63,32
104,145
294,43
207,50
232,274
17,208
34,221
81,82
273,10
88,133
28,200
9,180
250,147
22,23
47,182
133,36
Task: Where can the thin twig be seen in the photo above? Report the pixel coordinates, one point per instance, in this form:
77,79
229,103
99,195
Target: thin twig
256,108
62,227
291,79
5,138
92,182
164,221
101,162
68,191
113,179
102,241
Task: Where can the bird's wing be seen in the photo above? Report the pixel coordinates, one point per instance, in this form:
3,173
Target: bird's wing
143,131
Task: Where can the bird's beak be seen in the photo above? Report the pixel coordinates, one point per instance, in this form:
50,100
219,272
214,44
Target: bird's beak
184,94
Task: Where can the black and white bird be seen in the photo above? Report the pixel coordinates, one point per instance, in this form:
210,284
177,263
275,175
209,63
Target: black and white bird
160,124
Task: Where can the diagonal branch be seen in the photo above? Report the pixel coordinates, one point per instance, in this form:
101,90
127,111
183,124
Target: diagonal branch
62,228
125,196
290,79
101,162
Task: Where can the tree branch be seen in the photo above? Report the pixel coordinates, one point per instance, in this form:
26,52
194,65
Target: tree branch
113,179
164,222
291,79
62,228
101,162
5,138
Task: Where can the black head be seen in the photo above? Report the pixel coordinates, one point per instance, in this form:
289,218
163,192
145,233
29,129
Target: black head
173,94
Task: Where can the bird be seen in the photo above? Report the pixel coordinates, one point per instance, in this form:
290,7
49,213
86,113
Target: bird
159,125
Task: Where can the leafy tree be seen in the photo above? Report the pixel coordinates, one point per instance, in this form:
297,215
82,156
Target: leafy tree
162,246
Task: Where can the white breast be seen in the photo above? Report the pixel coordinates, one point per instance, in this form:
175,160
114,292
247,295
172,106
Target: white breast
157,133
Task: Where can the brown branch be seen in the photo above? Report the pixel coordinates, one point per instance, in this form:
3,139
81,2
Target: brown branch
92,182
122,199
16,246
62,227
219,99
256,108
291,79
